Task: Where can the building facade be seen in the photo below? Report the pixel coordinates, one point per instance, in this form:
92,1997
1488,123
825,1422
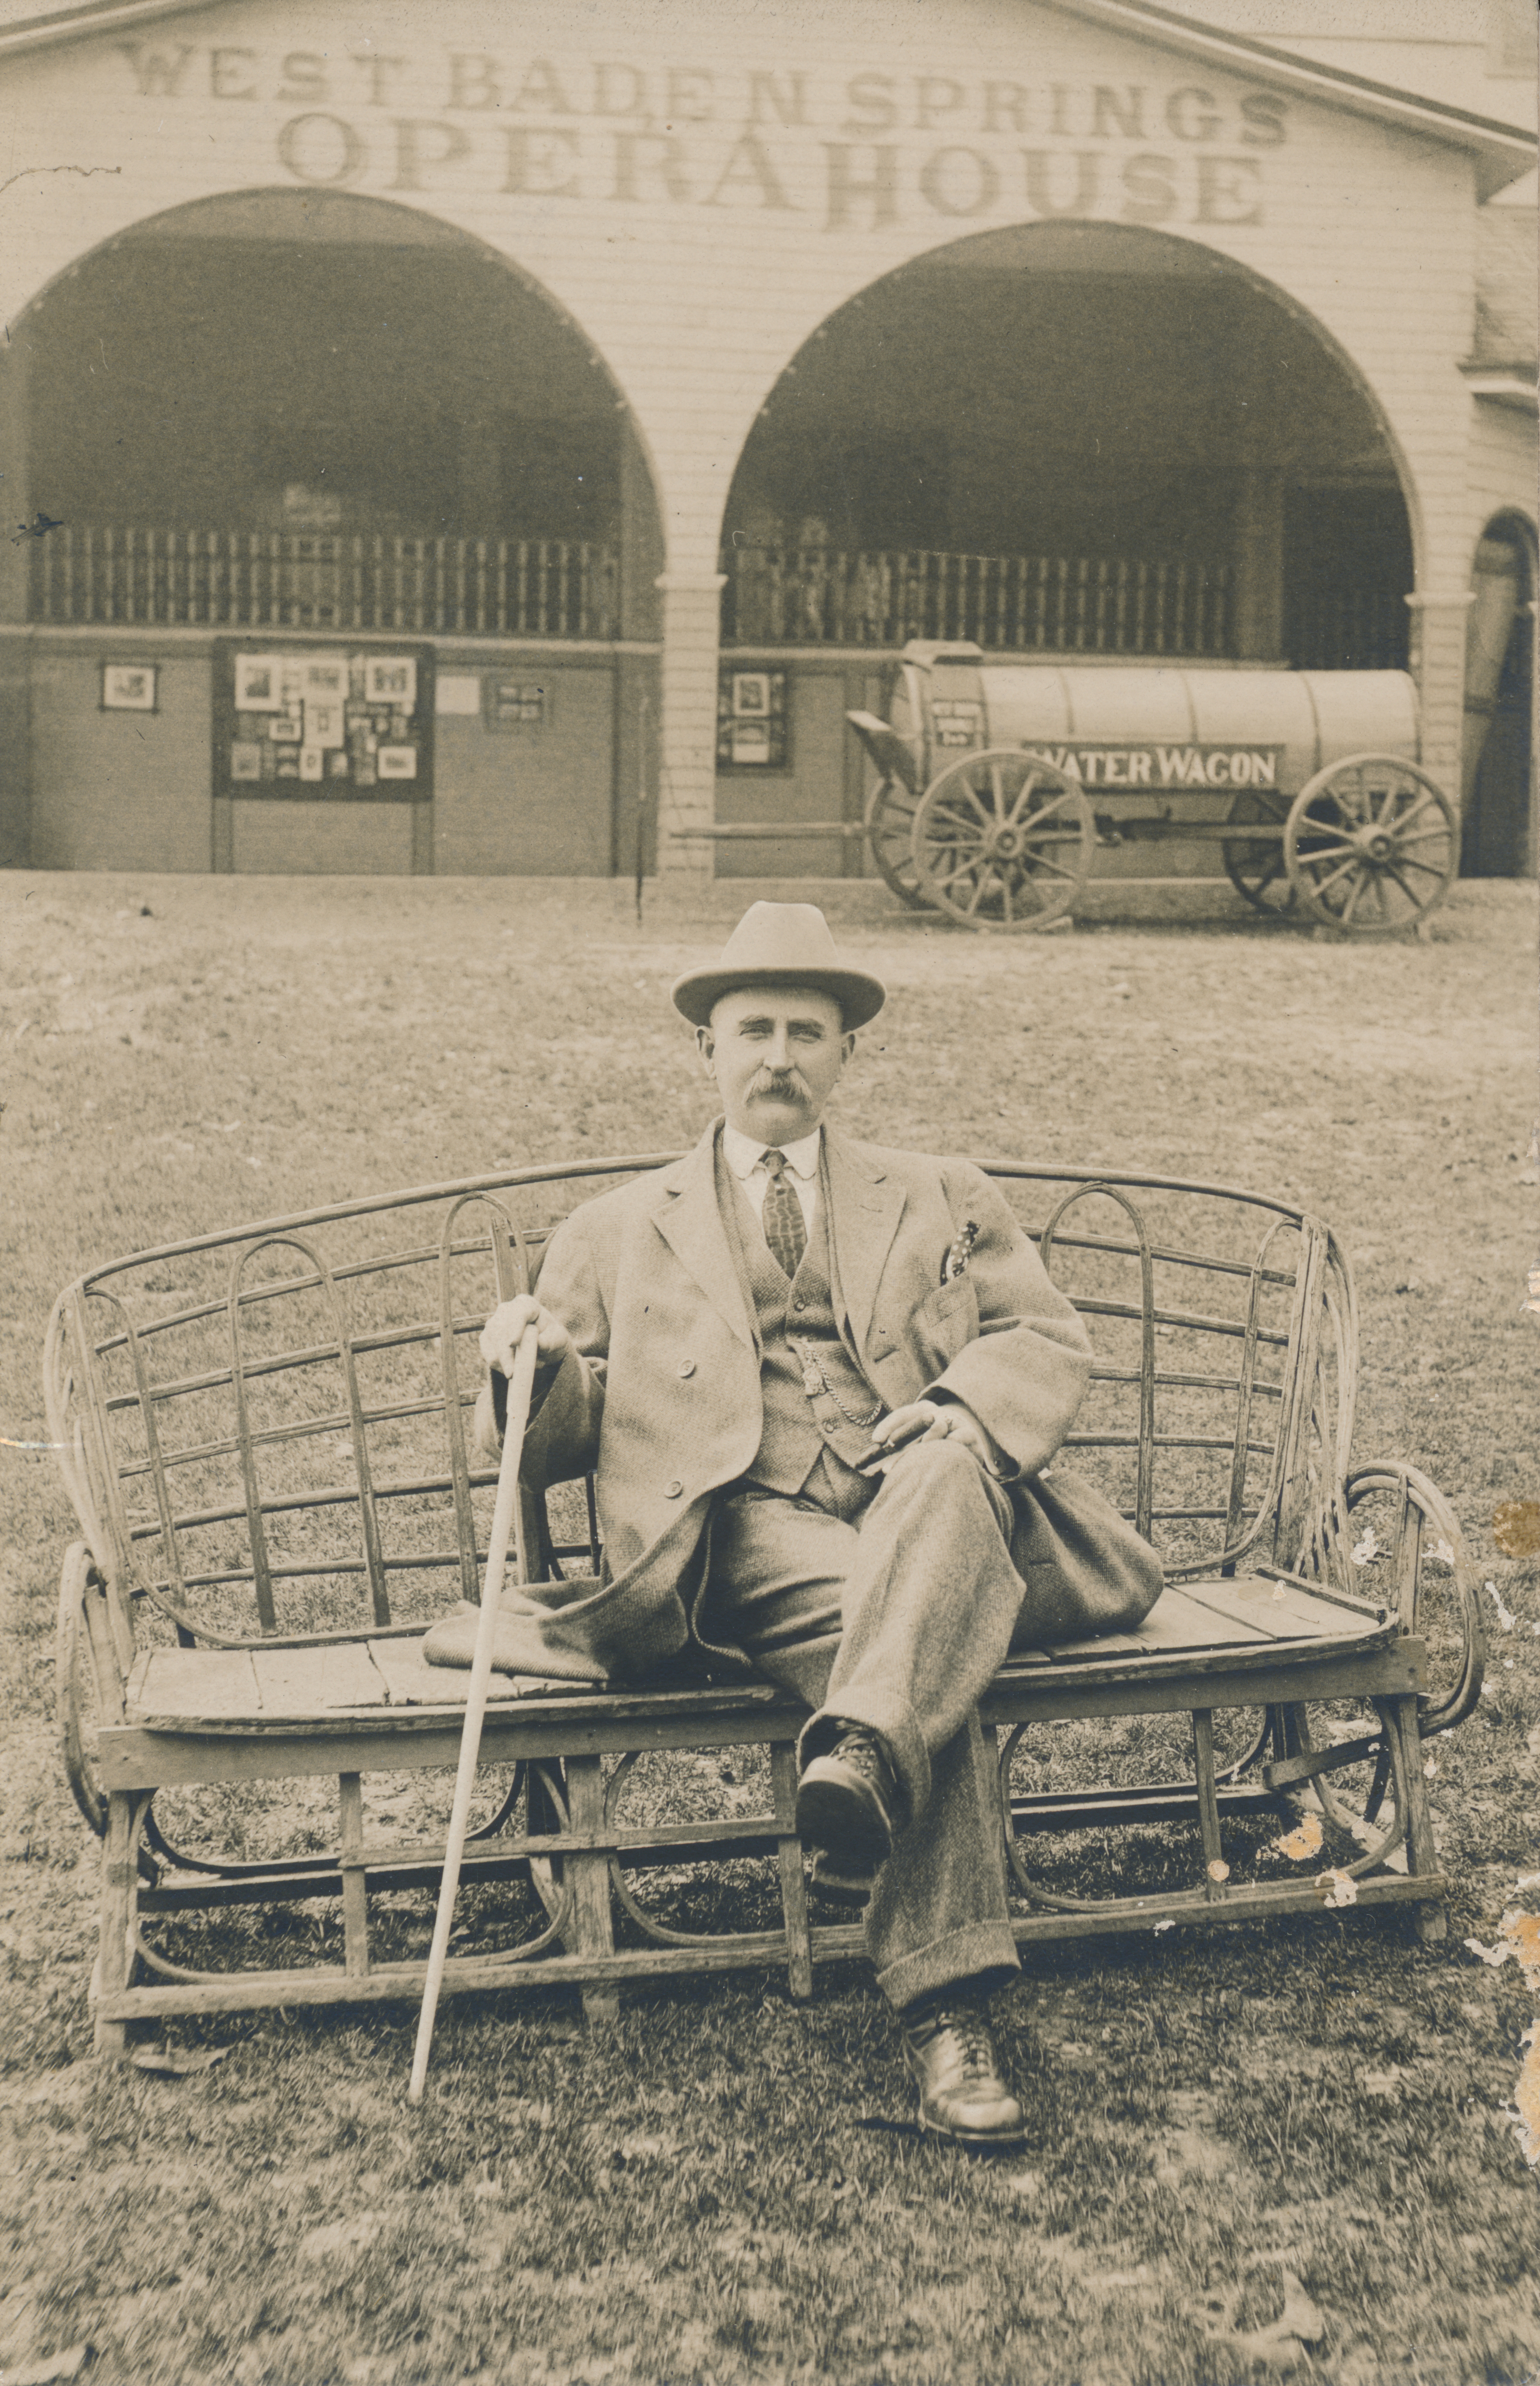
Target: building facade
513,445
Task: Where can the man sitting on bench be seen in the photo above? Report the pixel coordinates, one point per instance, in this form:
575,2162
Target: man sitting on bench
818,1383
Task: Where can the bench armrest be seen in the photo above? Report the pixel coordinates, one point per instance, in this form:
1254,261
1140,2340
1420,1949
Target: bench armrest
1391,1530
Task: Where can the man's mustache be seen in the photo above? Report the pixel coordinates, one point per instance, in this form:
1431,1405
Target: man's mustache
778,1082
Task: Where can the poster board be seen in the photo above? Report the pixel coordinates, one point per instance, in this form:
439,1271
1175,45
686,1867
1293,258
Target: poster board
323,722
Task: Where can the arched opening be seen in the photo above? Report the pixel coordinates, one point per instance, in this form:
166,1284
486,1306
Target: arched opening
389,480
1497,837
322,411
1072,438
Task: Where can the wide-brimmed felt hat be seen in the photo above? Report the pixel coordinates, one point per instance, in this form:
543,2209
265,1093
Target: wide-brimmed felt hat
780,944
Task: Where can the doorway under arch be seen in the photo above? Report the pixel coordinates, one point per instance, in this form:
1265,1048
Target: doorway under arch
1072,437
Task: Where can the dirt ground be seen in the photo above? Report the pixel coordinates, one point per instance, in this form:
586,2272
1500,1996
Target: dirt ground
1284,2150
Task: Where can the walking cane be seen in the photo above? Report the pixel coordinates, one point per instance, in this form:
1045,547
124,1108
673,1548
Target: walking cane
520,1385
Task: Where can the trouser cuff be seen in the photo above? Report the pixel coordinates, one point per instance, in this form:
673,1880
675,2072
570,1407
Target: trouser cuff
897,1724
983,1947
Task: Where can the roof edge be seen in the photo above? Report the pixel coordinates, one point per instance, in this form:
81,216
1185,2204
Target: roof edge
95,17
1507,150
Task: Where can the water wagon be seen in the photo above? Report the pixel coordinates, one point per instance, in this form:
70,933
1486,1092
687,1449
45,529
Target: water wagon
1001,783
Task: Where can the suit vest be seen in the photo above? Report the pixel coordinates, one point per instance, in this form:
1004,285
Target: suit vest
812,1389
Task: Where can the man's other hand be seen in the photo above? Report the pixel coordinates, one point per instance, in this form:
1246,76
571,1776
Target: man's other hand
504,1329
935,1421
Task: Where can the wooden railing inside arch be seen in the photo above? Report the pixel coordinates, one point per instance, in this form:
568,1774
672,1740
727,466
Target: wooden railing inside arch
824,596
325,581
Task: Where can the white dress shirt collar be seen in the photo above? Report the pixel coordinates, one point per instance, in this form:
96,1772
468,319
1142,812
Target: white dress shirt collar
743,1153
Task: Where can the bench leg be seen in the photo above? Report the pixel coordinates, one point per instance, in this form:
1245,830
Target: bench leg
1399,1716
544,1822
794,1882
355,1884
113,1960
1215,1872
588,1874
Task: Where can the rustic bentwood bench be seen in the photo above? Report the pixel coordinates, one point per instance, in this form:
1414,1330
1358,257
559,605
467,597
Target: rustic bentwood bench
264,1433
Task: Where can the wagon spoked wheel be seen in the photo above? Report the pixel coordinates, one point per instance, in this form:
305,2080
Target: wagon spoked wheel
890,831
1002,841
1255,866
1373,845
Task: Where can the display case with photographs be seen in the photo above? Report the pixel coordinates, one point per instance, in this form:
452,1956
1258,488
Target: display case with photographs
323,724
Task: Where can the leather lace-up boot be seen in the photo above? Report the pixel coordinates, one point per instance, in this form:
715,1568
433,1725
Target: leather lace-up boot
950,2052
846,1806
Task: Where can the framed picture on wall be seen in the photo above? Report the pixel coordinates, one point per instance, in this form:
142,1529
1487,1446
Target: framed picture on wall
129,687
516,704
324,724
326,675
258,683
391,678
751,720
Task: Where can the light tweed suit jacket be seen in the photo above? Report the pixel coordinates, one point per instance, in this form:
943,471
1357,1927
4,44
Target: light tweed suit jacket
659,1395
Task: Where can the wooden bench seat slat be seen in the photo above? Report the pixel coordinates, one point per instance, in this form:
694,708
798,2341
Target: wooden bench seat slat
154,1752
307,1681
1272,1672
1208,1623
412,1682
1177,1621
1278,1608
340,1679
213,1682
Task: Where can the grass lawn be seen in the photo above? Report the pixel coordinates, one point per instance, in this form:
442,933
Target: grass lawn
1275,2149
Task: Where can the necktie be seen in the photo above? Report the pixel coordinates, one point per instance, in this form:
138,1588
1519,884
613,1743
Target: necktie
785,1229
